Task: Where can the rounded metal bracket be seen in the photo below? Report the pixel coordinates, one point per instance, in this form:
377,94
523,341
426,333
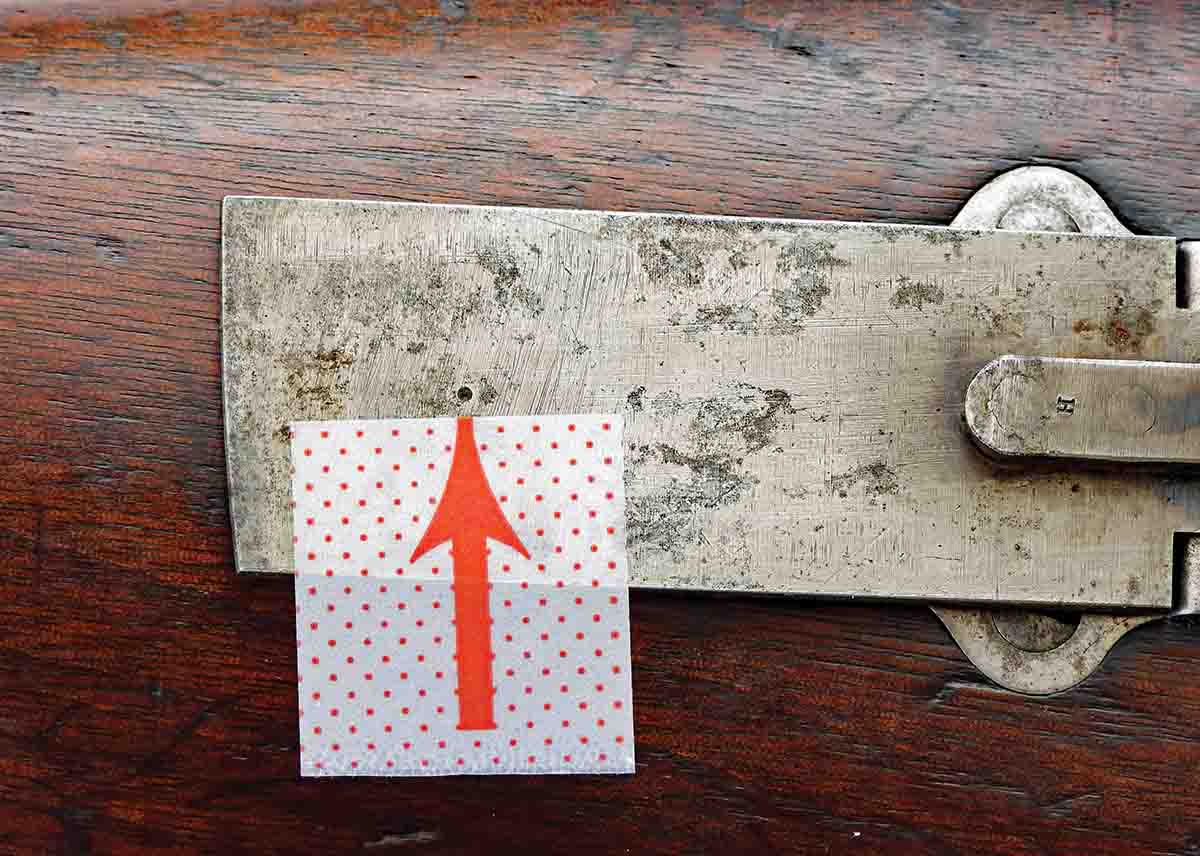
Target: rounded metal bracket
1039,199
1035,672
1022,650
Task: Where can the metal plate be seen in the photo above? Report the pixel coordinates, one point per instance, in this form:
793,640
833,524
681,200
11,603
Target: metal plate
793,390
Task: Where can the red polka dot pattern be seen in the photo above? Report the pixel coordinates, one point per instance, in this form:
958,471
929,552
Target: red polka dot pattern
358,509
376,632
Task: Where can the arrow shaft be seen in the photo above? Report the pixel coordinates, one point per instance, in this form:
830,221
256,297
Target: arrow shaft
467,516
473,635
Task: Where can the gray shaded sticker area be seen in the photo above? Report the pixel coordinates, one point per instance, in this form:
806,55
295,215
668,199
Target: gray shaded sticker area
377,680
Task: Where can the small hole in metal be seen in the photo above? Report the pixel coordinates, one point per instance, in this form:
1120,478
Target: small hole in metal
464,393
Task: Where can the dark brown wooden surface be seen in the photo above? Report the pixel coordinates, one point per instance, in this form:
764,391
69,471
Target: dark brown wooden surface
147,695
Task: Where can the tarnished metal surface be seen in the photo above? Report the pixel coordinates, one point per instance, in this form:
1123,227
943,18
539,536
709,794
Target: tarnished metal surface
1096,410
792,390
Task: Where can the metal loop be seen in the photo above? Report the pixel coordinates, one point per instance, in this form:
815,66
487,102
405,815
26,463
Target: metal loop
1036,672
1054,190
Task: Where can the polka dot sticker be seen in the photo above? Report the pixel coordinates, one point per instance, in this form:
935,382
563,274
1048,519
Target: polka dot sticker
462,596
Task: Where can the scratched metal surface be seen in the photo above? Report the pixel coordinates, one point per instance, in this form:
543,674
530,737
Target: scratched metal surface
792,390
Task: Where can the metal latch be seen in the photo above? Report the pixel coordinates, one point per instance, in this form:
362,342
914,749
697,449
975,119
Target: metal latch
1122,411
997,414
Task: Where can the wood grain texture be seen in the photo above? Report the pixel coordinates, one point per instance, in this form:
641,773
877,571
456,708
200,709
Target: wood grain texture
148,696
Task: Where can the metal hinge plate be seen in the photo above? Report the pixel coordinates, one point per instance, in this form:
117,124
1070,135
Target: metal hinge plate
793,391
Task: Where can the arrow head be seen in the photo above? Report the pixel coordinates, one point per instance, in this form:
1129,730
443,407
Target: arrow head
468,509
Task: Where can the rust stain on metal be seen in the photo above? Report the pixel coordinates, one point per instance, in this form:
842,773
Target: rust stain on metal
511,292
1125,328
877,478
674,254
751,414
726,316
808,265
706,463
667,518
1129,325
315,378
487,392
916,294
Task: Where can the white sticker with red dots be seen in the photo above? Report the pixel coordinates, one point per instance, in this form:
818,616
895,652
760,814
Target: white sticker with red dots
462,596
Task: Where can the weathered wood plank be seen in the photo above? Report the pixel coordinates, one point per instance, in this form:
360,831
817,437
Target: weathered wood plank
149,692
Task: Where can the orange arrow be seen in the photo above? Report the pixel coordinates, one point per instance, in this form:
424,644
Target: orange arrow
466,516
